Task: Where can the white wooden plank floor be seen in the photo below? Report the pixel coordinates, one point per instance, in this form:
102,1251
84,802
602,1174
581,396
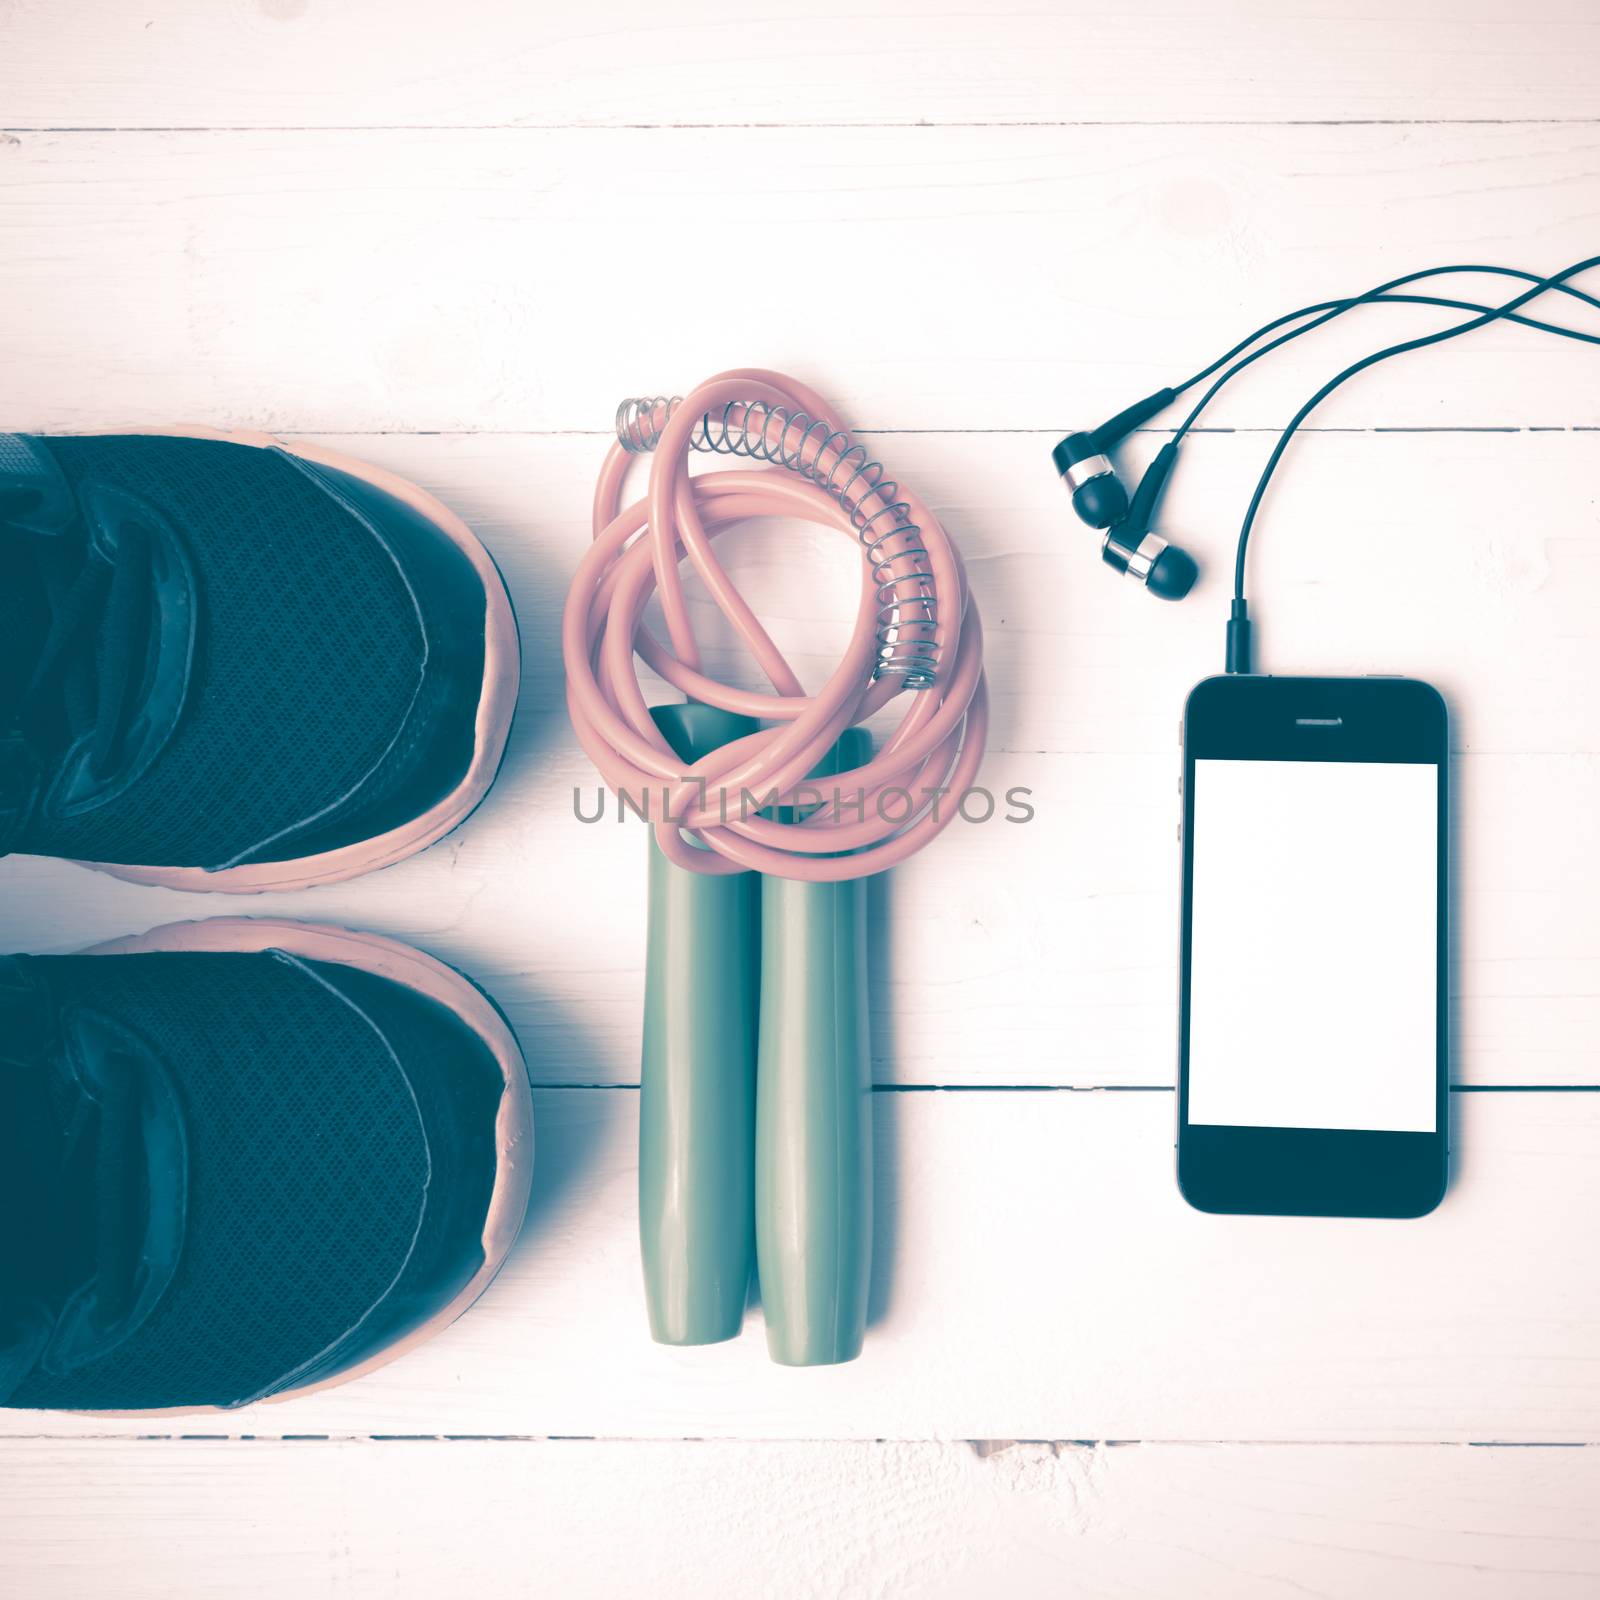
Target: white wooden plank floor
451,242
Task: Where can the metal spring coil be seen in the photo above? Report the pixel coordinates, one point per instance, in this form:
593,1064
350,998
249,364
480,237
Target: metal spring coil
908,605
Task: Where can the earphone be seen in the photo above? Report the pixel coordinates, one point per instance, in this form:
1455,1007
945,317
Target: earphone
1098,496
1128,543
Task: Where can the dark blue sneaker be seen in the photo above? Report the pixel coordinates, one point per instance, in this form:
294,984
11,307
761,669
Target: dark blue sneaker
227,664
240,1160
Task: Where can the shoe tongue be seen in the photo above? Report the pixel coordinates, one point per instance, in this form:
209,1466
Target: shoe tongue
24,1331
24,619
31,1156
93,1155
36,505
38,1255
136,1178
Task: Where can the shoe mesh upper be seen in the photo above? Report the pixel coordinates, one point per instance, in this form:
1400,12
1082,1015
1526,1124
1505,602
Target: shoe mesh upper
308,654
308,1173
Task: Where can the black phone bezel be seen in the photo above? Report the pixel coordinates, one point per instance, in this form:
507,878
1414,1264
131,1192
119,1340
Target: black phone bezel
1314,1171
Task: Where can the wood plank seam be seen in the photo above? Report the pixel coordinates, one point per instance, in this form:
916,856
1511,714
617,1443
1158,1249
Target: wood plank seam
800,125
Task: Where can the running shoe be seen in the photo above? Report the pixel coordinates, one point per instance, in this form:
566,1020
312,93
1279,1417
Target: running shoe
227,663
240,1160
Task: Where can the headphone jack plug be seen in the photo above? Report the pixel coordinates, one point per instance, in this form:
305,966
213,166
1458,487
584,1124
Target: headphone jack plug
1238,659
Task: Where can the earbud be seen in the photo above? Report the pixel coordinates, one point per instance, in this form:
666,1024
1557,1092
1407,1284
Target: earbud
1130,547
1098,495
1099,498
1167,571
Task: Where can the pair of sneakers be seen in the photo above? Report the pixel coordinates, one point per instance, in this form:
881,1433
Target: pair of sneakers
242,1159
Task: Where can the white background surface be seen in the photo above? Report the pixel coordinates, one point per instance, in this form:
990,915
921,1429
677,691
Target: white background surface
1313,996
450,241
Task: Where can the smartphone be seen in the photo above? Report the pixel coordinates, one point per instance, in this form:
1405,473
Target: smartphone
1313,1065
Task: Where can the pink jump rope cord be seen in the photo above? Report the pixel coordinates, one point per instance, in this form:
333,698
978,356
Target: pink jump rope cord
914,595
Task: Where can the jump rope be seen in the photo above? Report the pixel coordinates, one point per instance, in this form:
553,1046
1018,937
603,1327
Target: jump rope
916,629
770,808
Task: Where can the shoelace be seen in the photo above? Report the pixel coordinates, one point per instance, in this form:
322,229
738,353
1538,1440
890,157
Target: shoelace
73,688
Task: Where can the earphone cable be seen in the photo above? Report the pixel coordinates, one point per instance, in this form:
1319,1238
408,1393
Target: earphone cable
1557,281
1325,311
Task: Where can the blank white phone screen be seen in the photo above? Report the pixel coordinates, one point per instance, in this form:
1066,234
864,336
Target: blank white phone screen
1314,945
